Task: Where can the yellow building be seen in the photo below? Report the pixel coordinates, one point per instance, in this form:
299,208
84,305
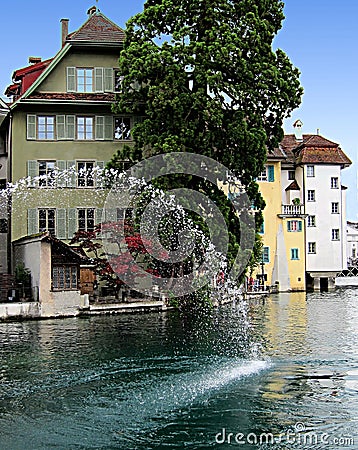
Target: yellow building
283,230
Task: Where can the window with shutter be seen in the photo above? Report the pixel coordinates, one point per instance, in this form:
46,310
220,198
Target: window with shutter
61,127
271,173
70,127
71,175
61,222
31,126
72,222
99,127
108,128
98,79
99,174
32,221
108,79
71,79
61,173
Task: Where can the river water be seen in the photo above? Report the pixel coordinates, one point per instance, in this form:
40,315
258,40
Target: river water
281,373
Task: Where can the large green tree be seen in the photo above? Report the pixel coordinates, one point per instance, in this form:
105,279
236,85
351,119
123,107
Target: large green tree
203,78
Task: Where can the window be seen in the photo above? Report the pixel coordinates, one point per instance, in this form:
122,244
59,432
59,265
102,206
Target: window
311,196
89,79
262,228
311,247
124,213
263,175
3,225
40,127
335,208
46,173
294,225
122,128
117,80
47,220
64,277
291,174
84,128
266,254
294,254
3,183
84,80
310,171
86,219
335,234
311,221
85,173
334,183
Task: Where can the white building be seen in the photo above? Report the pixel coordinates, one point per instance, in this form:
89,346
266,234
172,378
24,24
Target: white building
352,243
317,174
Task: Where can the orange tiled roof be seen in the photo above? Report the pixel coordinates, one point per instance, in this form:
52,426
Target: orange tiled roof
98,28
73,96
313,149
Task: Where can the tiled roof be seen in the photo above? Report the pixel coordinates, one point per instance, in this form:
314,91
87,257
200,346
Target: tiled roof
73,96
98,28
314,149
293,186
40,66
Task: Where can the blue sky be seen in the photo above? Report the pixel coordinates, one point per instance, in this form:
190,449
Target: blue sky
318,35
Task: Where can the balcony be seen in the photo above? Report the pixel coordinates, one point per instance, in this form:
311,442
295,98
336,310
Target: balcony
292,211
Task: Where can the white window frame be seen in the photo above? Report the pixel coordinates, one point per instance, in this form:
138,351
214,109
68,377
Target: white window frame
64,277
47,219
310,171
312,248
311,195
46,176
335,234
89,222
295,255
311,221
263,175
121,131
334,183
87,125
335,208
85,175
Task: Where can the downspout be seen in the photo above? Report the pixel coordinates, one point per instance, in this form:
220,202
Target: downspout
305,227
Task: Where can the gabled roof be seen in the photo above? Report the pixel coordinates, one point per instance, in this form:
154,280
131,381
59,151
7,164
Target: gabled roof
3,105
38,67
313,149
98,28
293,186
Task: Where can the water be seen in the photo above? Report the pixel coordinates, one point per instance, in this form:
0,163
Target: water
289,367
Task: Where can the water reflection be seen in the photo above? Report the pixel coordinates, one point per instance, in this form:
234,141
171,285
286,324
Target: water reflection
165,380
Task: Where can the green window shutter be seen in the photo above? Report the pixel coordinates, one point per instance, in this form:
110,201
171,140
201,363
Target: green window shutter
108,79
61,176
98,216
72,222
31,126
288,225
71,79
98,79
61,218
108,128
70,127
271,173
32,172
32,221
61,127
100,177
71,176
99,127
299,226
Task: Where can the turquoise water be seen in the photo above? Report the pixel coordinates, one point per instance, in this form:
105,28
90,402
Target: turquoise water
283,372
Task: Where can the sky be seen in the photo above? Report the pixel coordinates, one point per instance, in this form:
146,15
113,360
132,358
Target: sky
319,36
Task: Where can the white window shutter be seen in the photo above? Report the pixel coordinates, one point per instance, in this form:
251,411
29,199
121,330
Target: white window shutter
61,175
70,127
99,127
72,174
61,127
32,172
100,176
108,79
61,222
108,128
98,216
31,126
72,222
98,79
71,79
32,221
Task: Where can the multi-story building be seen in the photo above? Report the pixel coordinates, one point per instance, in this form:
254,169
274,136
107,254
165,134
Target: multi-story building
311,219
63,129
4,228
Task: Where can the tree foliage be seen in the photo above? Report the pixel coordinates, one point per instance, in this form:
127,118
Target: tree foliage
202,77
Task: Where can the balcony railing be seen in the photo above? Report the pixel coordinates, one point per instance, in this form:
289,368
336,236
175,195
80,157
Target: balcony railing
292,210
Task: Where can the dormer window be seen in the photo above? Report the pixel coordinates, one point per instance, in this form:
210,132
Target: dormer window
92,79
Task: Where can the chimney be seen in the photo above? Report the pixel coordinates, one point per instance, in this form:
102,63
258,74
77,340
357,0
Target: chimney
92,11
64,31
298,130
34,60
